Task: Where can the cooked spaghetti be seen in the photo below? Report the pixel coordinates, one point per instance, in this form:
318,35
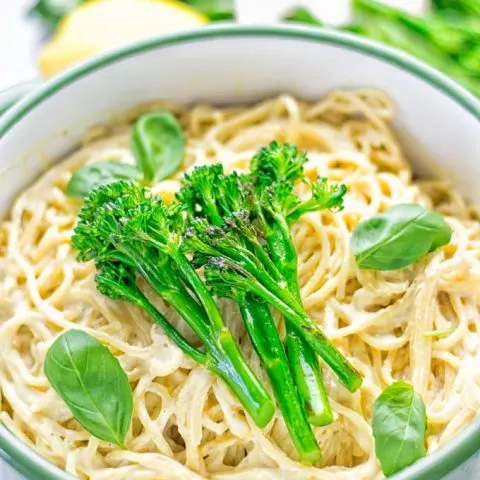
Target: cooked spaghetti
418,324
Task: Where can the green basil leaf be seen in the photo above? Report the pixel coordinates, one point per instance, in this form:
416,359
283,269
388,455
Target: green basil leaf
398,237
399,427
86,178
158,145
93,385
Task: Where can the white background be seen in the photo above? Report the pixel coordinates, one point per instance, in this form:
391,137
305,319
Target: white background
20,38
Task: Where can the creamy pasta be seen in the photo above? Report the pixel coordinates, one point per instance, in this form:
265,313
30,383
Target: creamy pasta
418,324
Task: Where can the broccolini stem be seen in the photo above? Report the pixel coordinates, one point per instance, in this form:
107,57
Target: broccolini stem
283,253
225,359
304,326
162,280
303,361
249,257
132,294
270,266
230,365
308,379
266,341
223,356
228,360
173,334
191,278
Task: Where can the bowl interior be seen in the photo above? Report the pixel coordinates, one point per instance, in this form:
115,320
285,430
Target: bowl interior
437,121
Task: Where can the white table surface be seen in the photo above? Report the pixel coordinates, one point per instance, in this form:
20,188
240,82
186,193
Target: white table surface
19,44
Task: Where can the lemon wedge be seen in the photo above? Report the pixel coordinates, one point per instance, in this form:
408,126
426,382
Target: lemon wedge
98,26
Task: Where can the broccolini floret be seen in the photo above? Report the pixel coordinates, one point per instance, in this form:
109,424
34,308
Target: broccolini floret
130,233
228,215
235,228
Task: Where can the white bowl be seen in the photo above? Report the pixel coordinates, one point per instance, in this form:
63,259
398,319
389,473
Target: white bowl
438,123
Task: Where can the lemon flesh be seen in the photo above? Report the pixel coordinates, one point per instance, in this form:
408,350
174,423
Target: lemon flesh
99,26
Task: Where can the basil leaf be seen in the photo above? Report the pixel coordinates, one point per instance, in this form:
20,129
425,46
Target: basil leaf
93,385
158,145
399,427
86,178
398,237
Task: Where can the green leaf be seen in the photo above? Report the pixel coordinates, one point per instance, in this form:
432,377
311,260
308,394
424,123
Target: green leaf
450,37
431,39
52,11
399,427
87,178
399,237
467,7
158,145
215,10
93,385
471,59
303,15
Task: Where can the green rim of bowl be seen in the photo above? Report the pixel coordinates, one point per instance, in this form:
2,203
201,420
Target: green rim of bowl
10,96
434,466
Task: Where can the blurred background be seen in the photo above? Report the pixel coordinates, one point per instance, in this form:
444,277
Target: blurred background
41,38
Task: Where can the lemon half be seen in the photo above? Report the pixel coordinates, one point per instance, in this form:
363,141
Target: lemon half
99,26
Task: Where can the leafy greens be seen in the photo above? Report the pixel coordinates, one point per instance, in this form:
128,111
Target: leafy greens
93,385
398,237
399,427
158,148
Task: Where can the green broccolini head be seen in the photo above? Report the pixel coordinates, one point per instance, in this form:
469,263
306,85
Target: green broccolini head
121,214
187,198
204,239
202,178
324,195
226,278
222,201
117,281
207,192
106,194
276,163
240,222
277,169
130,227
279,199
327,195
235,193
199,189
102,217
154,223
